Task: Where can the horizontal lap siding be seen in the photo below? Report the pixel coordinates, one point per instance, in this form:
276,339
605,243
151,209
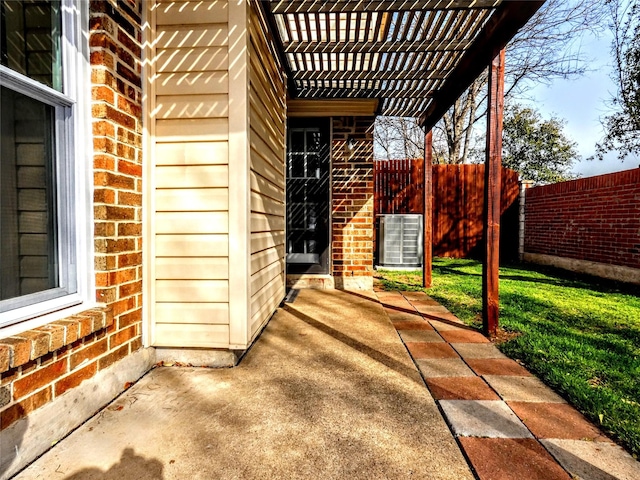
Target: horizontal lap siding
191,175
267,140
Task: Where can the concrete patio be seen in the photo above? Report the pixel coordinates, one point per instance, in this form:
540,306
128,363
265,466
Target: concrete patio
342,385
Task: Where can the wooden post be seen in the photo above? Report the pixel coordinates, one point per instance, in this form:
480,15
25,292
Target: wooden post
493,165
427,215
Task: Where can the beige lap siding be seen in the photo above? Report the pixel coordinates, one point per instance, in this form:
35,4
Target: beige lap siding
190,148
267,103
41,364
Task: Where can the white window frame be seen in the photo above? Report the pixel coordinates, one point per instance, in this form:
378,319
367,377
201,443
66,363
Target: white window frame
74,178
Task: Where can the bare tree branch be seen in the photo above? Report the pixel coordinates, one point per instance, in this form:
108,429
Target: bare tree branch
623,125
548,47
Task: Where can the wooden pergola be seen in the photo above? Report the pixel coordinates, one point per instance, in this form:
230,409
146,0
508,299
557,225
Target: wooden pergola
416,57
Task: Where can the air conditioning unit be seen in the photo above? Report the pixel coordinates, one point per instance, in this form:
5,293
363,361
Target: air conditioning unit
400,241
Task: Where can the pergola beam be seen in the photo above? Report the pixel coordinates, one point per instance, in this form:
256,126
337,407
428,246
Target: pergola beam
508,18
376,47
349,92
364,76
333,6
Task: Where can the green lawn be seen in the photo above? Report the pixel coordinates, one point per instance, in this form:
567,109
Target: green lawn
580,335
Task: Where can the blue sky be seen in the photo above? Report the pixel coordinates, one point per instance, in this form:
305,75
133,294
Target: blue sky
581,103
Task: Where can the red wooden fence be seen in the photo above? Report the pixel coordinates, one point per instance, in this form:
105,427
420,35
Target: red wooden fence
398,186
457,211
457,204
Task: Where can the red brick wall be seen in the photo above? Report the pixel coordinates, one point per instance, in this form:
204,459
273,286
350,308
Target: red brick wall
352,197
595,219
41,364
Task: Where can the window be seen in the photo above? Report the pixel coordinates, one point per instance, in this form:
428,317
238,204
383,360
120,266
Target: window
42,168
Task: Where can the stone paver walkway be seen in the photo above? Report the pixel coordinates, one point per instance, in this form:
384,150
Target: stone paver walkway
508,423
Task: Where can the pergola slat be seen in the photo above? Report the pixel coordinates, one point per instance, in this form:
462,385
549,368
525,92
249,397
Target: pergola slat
359,31
476,19
313,6
307,25
449,28
427,25
405,25
437,28
378,26
419,21
386,21
318,27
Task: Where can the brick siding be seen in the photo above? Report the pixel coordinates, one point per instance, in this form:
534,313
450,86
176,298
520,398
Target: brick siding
595,219
40,364
352,197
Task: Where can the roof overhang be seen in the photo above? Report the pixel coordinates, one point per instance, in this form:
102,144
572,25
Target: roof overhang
416,57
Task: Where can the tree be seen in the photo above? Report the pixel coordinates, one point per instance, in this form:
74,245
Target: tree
536,148
547,47
456,126
623,126
402,137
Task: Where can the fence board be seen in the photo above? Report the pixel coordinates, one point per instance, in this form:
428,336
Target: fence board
457,204
398,186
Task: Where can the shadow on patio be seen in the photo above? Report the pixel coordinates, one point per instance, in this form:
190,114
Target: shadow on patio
328,391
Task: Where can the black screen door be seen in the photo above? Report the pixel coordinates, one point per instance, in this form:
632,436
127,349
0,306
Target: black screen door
308,197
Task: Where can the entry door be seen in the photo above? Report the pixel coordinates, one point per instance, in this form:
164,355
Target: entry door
308,206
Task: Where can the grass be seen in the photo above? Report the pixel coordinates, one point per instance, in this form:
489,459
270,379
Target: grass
578,334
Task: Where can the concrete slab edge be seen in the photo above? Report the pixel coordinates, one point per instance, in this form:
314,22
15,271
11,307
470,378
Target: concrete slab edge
612,272
321,282
198,357
30,437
